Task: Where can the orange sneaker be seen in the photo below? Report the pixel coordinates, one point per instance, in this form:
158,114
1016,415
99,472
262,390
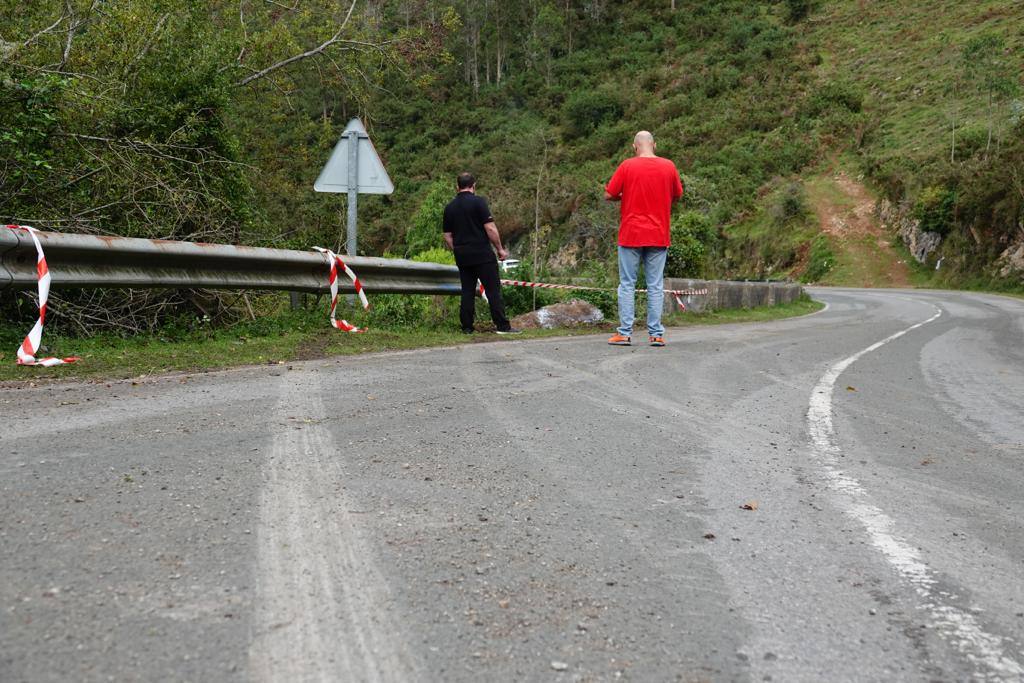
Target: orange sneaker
619,340
656,341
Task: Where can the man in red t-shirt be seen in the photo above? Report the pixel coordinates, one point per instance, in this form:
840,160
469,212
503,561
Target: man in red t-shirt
646,185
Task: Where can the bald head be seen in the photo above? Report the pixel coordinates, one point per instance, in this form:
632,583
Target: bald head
643,143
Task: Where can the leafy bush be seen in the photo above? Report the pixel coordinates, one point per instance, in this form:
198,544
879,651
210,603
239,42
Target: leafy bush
585,110
834,95
436,255
409,310
520,300
934,208
699,193
797,10
820,261
692,235
789,203
425,229
607,301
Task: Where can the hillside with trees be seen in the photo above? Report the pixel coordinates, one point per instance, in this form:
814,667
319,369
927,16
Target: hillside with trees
210,121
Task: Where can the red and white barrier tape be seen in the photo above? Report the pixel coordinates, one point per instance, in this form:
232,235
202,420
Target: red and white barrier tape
549,285
336,261
29,347
676,293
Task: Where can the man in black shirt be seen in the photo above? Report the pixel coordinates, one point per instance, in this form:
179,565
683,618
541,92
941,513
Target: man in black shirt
470,232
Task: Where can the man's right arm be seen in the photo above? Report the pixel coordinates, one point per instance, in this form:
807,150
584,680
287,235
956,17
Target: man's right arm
449,240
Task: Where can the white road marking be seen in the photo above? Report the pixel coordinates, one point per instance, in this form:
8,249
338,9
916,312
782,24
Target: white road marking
321,610
959,627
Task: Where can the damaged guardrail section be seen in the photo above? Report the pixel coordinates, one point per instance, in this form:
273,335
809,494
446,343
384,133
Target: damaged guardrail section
86,261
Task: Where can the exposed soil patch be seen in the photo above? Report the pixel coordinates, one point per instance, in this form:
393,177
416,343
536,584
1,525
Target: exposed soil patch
845,211
315,346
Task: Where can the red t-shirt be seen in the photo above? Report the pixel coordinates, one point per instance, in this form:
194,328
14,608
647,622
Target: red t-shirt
647,187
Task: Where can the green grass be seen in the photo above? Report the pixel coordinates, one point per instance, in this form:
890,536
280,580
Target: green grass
906,55
115,358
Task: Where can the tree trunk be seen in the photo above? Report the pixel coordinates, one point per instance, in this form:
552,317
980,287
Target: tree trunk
476,60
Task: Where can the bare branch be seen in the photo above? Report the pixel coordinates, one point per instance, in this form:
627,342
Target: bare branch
245,32
149,44
44,32
282,6
336,38
72,26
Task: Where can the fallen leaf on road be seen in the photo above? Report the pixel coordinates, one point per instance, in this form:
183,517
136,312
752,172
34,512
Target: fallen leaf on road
752,505
710,536
503,604
850,389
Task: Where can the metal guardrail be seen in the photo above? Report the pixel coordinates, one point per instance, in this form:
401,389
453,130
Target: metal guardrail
86,261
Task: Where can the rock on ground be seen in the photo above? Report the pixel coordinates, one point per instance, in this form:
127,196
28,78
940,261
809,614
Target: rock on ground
566,314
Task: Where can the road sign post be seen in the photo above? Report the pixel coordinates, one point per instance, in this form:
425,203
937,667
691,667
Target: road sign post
354,168
353,193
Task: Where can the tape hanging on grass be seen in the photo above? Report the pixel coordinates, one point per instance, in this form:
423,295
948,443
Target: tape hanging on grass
29,347
336,261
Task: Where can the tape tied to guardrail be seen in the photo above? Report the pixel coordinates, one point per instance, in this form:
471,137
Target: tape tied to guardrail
28,349
676,293
336,261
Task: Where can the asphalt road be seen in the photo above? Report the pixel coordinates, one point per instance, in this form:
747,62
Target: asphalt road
539,510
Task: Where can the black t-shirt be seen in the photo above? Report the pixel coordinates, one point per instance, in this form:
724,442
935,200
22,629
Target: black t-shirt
464,218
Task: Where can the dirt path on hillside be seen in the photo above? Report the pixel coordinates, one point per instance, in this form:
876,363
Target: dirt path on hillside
864,253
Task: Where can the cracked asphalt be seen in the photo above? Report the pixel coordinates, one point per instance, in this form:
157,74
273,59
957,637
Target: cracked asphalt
537,510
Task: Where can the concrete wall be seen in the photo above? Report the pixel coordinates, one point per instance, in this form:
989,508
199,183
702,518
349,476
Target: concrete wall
726,294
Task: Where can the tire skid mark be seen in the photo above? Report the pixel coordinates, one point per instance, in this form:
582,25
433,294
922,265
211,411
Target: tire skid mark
322,605
959,627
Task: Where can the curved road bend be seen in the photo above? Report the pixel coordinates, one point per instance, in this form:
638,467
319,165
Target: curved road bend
538,510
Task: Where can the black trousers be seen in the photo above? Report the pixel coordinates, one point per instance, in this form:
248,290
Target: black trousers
487,274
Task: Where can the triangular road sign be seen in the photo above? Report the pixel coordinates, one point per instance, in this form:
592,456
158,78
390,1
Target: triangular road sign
371,178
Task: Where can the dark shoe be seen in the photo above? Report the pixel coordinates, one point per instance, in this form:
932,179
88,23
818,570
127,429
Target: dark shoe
510,330
467,332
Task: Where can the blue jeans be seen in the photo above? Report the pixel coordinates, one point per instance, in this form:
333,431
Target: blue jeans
654,269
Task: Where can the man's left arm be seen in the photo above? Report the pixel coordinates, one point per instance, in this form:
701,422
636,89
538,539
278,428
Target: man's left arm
494,236
449,241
